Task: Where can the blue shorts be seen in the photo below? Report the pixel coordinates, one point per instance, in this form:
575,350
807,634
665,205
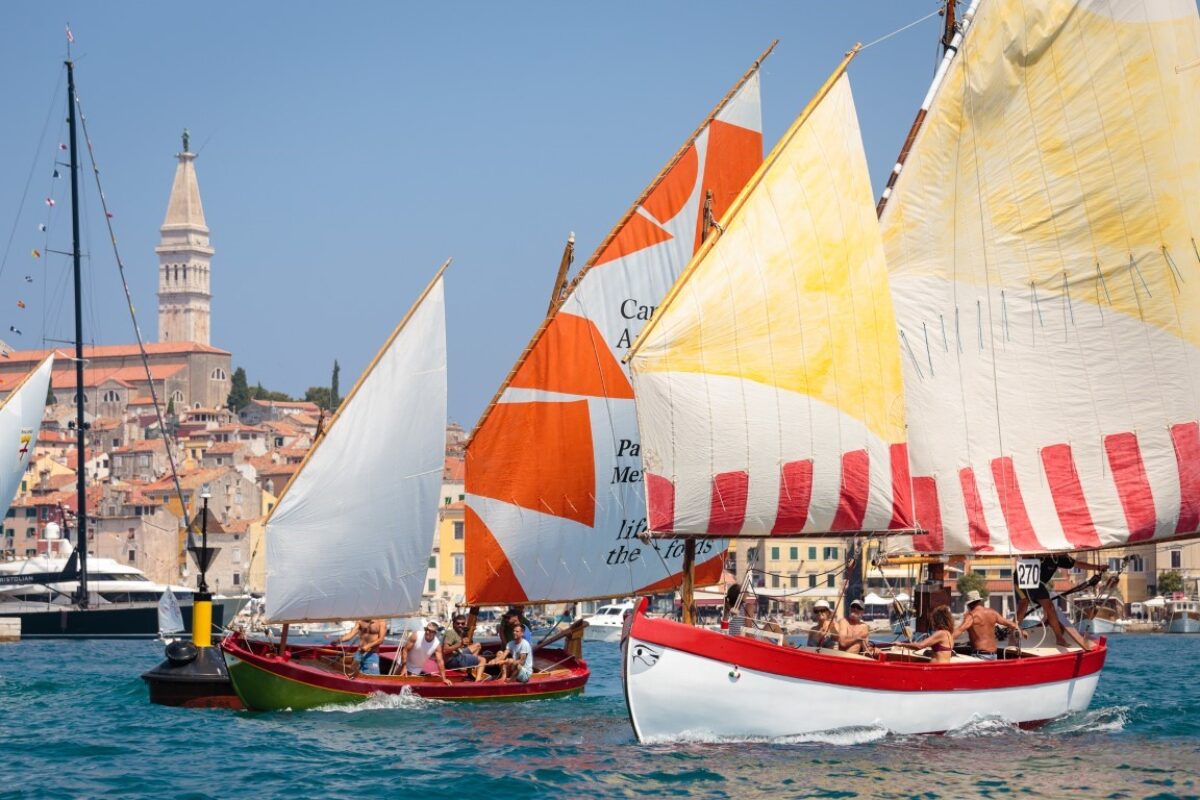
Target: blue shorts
367,662
524,674
462,659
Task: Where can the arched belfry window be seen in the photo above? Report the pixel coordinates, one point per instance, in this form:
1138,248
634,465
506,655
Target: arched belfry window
218,374
111,396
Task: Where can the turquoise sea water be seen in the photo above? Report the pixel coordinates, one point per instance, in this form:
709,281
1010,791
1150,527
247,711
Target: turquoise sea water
75,722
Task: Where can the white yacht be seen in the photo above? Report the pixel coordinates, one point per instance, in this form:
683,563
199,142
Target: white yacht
606,624
1183,616
122,601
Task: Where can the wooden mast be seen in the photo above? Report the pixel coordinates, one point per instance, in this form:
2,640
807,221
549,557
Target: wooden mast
560,281
952,36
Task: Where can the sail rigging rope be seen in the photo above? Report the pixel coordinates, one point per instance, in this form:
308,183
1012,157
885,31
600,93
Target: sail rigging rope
162,428
915,22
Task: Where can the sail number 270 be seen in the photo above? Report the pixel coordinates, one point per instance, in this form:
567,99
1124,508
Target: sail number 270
1029,573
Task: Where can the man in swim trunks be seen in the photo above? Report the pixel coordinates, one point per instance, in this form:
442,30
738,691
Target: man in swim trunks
980,624
853,635
459,652
370,636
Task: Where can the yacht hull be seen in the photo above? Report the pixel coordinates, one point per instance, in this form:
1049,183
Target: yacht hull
115,621
690,683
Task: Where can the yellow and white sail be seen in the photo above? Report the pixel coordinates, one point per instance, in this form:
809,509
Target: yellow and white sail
1041,241
768,385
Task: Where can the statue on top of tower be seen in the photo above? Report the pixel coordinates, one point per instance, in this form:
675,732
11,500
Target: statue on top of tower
186,138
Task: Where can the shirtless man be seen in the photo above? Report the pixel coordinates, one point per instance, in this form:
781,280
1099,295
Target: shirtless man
370,636
853,635
1040,596
980,625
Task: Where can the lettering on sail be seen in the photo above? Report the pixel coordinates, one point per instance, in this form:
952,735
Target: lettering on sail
627,473
627,552
635,312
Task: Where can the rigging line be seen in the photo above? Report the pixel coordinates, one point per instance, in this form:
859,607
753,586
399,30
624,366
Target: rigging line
32,168
915,22
158,411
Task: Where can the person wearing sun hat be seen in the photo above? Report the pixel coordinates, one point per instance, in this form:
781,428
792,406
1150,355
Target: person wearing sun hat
979,623
824,632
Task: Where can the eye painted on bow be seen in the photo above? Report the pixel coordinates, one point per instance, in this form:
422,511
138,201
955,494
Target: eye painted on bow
645,655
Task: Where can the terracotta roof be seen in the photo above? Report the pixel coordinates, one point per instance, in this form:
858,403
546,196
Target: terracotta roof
454,470
115,351
191,479
303,405
125,376
223,448
142,446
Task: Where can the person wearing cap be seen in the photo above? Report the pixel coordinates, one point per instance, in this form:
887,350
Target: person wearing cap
980,625
853,635
418,656
825,633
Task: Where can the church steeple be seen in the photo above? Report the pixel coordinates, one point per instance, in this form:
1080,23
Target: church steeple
184,256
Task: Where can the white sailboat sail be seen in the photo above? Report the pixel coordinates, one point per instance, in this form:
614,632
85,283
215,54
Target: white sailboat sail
555,493
350,537
20,420
170,616
1041,242
768,384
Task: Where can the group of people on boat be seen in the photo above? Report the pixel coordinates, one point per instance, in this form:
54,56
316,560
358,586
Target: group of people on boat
980,622
439,651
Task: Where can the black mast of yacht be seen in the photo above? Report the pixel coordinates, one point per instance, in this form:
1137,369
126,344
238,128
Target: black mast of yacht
80,426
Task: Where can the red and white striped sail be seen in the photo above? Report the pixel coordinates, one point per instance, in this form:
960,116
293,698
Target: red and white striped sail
1041,242
555,496
769,389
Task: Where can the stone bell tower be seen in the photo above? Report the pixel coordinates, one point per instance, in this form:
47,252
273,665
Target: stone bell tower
184,298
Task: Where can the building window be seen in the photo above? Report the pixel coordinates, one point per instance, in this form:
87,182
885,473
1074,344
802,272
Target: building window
829,581
795,580
30,552
433,562
132,556
458,530
177,396
218,374
774,581
29,533
111,396
812,554
1176,559
830,554
774,553
458,565
812,581
431,585
237,579
237,554
1136,564
794,553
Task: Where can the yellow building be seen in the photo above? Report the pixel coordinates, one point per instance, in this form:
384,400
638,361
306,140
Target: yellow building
451,552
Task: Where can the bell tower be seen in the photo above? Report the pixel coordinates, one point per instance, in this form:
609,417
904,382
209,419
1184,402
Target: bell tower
184,255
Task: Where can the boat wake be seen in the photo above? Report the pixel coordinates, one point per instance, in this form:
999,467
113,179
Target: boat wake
379,701
841,737
979,727
1108,719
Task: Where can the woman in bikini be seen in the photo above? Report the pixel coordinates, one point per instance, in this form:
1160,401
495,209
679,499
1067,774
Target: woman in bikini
941,641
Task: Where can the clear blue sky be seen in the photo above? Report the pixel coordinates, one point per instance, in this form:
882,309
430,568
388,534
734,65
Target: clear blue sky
347,150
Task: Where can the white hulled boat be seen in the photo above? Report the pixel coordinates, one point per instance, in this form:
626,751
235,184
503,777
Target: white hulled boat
1183,616
606,624
812,375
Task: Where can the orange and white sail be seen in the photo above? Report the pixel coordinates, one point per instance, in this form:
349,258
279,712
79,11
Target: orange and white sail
554,478
769,389
1041,241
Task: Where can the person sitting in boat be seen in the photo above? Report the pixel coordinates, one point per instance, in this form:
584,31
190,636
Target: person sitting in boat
459,652
824,632
853,635
1040,596
514,616
516,660
419,655
941,641
980,625
370,636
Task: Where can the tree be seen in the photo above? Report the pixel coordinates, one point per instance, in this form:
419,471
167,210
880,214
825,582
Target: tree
239,391
335,399
259,393
1170,582
972,582
318,395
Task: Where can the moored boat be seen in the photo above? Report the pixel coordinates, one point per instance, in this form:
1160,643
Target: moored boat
606,624
1183,616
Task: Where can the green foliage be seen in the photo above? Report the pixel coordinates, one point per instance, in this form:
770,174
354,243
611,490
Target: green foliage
318,395
1169,582
334,398
259,393
972,582
239,391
